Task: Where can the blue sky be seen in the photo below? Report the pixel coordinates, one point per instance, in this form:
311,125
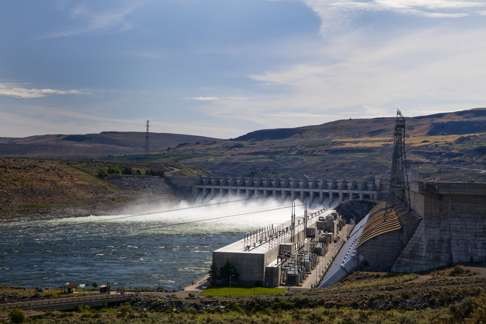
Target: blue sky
225,67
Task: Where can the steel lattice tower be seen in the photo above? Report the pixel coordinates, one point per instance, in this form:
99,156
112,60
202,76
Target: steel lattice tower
399,187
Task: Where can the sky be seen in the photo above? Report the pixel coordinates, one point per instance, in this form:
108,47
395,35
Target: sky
222,68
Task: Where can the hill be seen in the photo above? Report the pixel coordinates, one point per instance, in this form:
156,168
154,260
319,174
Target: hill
94,145
447,146
456,123
37,188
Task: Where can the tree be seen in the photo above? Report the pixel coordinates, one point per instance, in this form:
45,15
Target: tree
229,273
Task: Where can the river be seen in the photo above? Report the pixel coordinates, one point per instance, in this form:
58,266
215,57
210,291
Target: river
164,246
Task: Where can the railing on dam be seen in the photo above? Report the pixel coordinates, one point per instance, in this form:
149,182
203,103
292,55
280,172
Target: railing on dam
308,189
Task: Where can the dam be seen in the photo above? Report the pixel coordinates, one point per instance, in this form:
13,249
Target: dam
413,226
313,190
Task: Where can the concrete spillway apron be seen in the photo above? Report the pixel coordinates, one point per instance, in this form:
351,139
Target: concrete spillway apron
347,259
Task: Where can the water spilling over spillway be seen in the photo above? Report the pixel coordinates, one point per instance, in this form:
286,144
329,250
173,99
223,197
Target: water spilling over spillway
162,245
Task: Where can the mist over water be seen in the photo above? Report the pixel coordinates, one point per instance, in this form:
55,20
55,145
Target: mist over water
228,214
159,245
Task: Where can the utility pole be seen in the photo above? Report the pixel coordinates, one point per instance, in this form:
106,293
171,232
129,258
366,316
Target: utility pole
292,223
306,217
147,138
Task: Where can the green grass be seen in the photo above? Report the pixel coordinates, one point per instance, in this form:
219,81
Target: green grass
243,292
378,281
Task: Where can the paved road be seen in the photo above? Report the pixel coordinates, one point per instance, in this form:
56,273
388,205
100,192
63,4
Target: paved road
325,261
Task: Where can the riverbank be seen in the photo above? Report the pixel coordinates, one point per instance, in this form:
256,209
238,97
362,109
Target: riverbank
32,189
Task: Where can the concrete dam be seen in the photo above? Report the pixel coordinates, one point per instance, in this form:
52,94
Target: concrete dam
445,225
413,227
312,190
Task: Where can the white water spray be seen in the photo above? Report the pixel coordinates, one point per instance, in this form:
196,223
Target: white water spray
231,213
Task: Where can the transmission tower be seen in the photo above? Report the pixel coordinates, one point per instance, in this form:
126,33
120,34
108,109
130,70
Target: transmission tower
399,186
147,138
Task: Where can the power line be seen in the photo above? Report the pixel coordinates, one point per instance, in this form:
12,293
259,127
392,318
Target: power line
155,212
217,218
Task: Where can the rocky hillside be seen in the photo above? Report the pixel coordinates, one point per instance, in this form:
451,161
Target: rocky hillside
456,123
449,146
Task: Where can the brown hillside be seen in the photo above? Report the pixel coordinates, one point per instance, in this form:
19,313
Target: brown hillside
37,187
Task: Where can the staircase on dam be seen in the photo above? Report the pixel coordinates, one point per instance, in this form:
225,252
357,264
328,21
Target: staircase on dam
314,190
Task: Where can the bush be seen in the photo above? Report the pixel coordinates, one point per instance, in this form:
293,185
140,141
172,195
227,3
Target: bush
17,316
462,310
457,271
113,170
101,174
126,311
127,171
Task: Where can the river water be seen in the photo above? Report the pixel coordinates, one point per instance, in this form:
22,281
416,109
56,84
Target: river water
162,246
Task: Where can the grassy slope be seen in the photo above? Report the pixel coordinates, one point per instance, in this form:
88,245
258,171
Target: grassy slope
243,292
39,186
455,295
32,187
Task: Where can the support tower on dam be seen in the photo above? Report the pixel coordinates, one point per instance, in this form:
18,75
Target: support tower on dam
399,186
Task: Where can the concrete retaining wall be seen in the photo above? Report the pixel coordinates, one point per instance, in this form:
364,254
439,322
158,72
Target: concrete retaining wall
453,229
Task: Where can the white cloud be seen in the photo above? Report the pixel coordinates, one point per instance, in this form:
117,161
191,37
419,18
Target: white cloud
12,90
356,76
334,13
92,19
205,98
212,98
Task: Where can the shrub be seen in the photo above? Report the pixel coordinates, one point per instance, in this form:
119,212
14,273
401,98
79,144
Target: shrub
101,174
17,316
113,170
457,271
463,309
127,171
126,311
